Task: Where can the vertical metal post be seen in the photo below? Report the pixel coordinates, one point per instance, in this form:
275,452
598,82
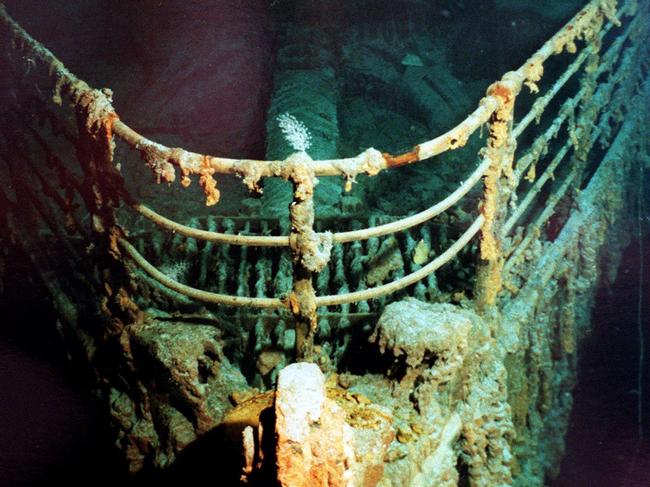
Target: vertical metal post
500,151
309,254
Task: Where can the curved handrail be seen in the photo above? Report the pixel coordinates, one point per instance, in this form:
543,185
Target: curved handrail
209,236
332,300
369,162
418,218
340,237
530,72
192,292
412,278
162,159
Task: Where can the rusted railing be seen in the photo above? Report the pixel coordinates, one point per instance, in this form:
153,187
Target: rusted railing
101,186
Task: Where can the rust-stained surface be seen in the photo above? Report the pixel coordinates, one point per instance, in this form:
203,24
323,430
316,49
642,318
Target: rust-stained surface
402,159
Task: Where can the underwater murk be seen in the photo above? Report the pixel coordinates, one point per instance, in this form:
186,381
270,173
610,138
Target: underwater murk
324,243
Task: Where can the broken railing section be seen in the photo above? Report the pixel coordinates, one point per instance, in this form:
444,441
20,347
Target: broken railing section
102,185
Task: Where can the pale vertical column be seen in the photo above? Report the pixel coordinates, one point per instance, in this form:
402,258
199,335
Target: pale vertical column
500,152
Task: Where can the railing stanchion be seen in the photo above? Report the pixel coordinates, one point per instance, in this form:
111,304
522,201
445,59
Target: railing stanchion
500,152
310,252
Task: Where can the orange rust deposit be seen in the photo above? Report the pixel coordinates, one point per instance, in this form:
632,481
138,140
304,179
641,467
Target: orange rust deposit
402,159
500,91
292,303
208,183
108,123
